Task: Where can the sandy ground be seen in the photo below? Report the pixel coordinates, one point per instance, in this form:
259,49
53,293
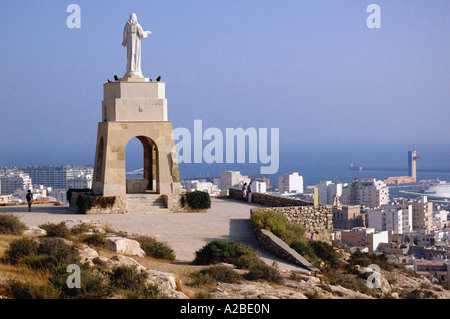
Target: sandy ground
185,233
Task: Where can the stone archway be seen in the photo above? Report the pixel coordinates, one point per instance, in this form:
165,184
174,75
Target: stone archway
149,183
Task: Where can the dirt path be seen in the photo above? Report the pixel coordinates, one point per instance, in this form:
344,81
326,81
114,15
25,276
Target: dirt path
185,233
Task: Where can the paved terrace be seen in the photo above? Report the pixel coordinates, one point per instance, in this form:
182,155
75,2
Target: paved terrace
185,232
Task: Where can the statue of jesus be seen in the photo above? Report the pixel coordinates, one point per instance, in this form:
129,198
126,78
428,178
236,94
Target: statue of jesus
132,35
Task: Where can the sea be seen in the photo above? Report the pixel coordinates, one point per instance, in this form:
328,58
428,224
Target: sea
317,163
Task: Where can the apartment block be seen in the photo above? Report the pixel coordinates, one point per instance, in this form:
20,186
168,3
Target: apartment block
14,180
391,217
232,179
328,190
422,215
367,192
348,217
364,237
290,183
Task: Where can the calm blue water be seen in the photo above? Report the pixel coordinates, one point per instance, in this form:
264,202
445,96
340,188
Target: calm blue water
318,163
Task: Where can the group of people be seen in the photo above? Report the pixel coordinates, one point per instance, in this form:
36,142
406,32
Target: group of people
247,191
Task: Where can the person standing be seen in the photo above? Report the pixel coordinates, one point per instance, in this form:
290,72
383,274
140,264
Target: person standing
249,192
244,190
29,198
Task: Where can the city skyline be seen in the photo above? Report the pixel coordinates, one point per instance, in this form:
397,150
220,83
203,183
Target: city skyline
225,150
313,70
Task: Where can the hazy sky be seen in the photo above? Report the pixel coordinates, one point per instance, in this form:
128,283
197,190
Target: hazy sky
311,68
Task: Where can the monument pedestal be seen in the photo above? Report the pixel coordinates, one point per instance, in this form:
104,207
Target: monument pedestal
129,110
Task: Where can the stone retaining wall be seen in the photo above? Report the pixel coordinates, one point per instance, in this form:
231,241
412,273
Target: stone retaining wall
268,241
119,206
173,202
317,220
268,200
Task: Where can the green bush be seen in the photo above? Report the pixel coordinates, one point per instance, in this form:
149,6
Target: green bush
202,295
261,271
314,295
25,290
335,277
155,249
37,261
80,228
366,259
96,239
98,262
58,251
214,274
278,224
304,249
56,230
197,200
74,190
85,202
128,277
20,248
46,254
149,291
224,251
11,225
246,261
92,286
325,252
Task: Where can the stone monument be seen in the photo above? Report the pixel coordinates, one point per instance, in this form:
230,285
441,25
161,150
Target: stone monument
133,107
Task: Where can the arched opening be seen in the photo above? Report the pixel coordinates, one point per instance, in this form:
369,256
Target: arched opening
99,164
141,163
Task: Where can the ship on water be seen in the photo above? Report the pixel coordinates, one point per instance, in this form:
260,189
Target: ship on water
438,190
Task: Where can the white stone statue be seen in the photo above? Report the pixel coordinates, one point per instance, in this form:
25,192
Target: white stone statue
132,35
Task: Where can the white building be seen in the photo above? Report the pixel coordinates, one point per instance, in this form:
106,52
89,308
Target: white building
216,182
441,216
232,179
391,217
259,187
291,183
15,180
364,237
328,190
60,194
368,192
196,185
80,182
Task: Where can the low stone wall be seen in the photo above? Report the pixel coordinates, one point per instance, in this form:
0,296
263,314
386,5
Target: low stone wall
119,206
268,200
74,196
271,243
173,202
317,220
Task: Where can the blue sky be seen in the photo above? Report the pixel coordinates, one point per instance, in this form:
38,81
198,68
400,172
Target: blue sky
311,68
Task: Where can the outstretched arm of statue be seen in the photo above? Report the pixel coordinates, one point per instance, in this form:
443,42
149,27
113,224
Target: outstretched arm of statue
146,34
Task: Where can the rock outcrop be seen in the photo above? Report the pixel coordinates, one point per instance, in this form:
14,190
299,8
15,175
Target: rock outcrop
34,232
87,254
124,246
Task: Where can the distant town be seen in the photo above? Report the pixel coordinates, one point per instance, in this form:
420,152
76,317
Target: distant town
412,229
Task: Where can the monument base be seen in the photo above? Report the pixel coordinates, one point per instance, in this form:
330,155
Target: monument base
160,162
